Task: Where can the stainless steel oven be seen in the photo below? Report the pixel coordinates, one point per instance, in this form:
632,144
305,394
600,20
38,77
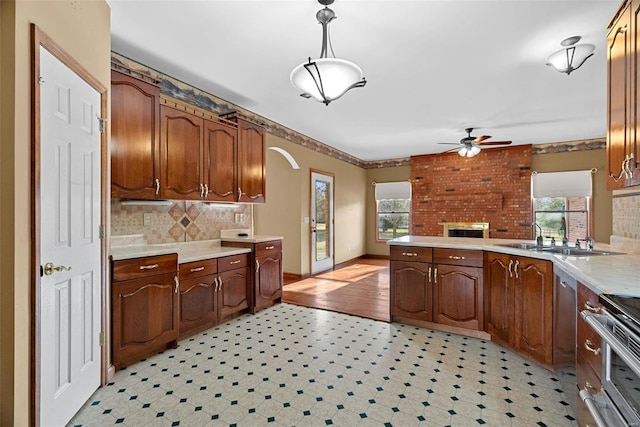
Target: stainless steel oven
618,324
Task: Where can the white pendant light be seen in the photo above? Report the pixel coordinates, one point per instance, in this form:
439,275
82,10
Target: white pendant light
572,57
326,79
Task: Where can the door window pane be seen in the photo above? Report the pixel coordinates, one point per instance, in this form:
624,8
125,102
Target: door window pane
322,189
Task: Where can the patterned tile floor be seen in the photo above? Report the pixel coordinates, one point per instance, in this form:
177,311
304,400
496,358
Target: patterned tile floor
292,366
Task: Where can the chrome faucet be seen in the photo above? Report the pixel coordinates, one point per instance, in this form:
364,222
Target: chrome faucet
539,240
588,240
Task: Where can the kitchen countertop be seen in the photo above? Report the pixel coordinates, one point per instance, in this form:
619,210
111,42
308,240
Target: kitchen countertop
611,274
125,247
251,239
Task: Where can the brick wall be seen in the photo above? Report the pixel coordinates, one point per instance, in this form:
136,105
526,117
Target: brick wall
493,187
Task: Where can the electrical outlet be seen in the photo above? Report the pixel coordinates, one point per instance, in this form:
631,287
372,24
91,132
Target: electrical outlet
146,219
238,217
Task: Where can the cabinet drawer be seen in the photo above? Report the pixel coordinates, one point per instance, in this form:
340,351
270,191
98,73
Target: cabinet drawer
143,267
232,262
465,257
586,336
268,248
198,268
411,253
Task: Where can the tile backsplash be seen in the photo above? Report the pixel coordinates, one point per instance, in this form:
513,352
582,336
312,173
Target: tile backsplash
626,219
178,221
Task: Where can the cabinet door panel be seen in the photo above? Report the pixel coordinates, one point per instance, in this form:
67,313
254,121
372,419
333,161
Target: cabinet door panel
268,280
457,296
499,298
411,290
534,308
251,162
618,100
145,316
181,136
197,304
233,295
134,137
220,161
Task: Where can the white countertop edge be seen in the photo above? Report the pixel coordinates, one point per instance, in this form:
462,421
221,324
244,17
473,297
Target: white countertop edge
252,239
614,274
184,254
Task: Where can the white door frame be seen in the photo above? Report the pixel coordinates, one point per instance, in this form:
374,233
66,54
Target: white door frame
317,266
38,39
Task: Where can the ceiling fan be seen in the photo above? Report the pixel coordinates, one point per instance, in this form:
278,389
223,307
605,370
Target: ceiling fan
469,146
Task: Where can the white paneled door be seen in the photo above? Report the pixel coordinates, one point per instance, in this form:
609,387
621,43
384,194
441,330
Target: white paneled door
70,245
322,230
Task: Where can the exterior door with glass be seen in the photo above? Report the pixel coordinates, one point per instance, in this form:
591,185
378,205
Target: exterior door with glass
322,227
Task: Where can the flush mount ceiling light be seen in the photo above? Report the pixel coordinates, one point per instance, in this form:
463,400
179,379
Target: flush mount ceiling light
326,79
572,57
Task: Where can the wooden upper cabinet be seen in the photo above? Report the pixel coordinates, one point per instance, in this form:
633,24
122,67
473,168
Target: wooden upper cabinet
220,161
181,137
623,111
251,162
135,167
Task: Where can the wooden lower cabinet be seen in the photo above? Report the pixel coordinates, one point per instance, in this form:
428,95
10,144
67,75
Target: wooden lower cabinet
519,304
411,292
265,272
234,285
438,285
458,288
212,290
145,311
588,353
198,305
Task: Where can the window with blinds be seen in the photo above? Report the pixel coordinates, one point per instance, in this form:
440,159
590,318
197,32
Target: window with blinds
393,205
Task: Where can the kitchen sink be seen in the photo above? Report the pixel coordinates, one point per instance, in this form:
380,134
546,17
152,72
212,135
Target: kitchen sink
561,250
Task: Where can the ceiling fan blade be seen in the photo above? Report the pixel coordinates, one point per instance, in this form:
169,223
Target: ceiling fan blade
495,143
448,143
481,138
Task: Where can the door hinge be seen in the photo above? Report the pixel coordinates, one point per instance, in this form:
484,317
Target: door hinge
101,338
101,232
101,124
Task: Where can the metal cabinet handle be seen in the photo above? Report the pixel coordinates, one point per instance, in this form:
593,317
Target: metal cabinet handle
588,345
193,270
175,278
234,262
257,266
510,265
455,257
268,248
239,193
49,268
591,308
201,190
429,275
157,186
149,267
206,191
215,284
515,268
409,254
435,276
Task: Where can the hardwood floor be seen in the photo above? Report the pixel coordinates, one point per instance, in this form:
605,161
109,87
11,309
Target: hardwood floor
360,288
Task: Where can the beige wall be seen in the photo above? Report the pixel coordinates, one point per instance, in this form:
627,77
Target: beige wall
583,160
82,29
399,173
288,202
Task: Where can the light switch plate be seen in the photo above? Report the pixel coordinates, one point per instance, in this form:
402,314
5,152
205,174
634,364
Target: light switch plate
146,219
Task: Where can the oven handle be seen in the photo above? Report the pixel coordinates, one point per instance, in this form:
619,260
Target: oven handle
606,335
592,405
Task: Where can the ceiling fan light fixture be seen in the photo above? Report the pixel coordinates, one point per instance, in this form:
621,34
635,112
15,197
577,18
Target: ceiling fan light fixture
473,151
572,57
463,151
326,79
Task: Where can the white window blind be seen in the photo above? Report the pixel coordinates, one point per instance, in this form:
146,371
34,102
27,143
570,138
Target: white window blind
562,184
393,190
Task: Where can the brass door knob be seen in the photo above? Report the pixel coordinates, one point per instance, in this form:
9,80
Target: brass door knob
49,268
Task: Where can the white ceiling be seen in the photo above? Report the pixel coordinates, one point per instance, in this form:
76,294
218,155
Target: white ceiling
432,67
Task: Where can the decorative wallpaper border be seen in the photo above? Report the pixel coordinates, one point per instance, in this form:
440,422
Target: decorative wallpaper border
177,89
